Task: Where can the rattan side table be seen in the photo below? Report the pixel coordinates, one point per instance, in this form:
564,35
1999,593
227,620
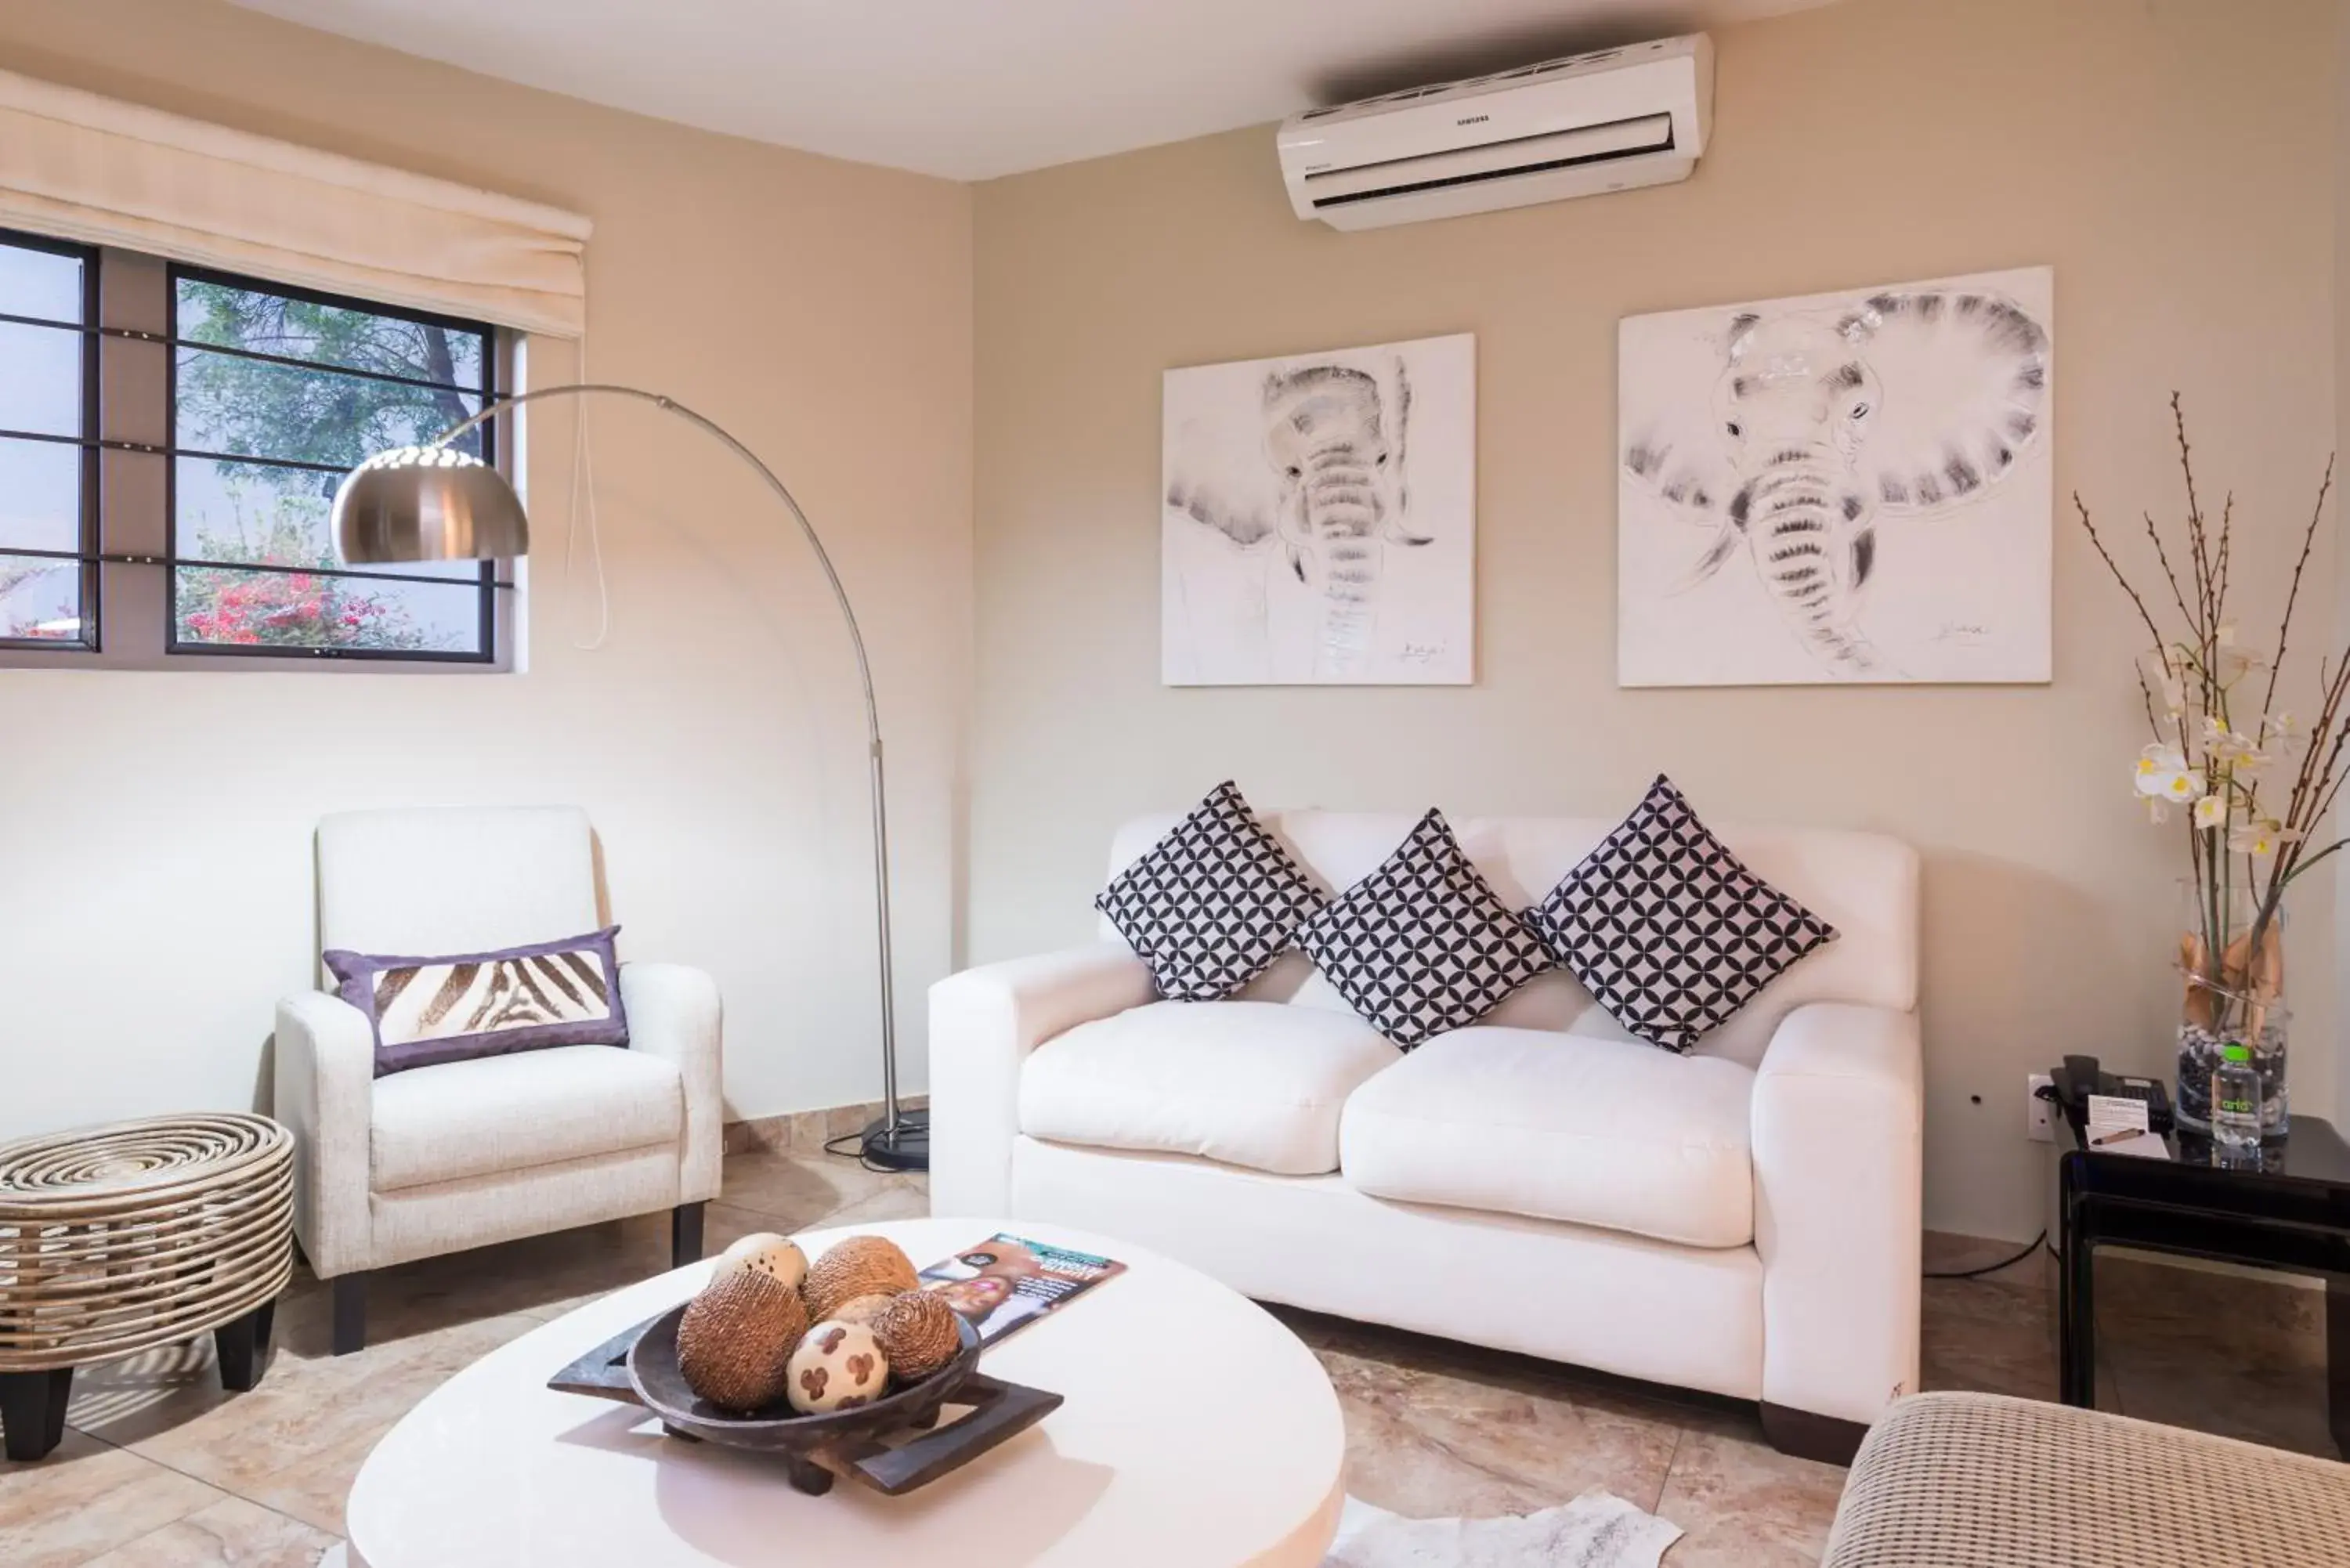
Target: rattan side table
116,1239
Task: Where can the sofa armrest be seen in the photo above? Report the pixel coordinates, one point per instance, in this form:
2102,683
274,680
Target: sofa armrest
325,1086
984,1022
1838,1172
675,1013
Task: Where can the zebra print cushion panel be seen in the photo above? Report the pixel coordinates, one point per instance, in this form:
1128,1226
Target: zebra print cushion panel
428,1011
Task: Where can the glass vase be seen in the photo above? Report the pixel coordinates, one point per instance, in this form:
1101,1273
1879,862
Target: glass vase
2236,998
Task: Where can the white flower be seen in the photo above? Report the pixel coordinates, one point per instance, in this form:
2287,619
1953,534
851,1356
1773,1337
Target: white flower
2230,749
2261,840
2280,728
2160,672
2211,811
2162,774
2156,812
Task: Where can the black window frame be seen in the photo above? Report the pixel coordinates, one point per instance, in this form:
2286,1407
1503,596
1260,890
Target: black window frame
130,524
487,579
85,438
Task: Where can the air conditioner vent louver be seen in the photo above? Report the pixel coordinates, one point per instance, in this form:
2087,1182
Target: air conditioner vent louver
1607,121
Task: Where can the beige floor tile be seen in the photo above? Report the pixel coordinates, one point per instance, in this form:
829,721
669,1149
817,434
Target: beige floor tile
302,1412
1746,1504
232,1533
797,1192
87,1498
901,1200
1432,1445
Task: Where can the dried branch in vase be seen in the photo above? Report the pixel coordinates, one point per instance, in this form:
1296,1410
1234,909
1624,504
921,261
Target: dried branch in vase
2257,785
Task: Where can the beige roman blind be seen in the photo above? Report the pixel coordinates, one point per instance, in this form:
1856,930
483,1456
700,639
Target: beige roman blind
82,166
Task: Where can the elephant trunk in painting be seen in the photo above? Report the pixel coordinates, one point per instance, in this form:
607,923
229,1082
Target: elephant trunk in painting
1807,518
1336,450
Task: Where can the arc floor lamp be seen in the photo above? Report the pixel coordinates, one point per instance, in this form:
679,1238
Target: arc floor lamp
436,503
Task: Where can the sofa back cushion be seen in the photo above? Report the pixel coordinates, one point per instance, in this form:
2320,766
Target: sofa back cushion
1864,884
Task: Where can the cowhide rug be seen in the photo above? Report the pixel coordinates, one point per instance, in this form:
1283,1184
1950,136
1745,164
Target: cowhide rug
1597,1529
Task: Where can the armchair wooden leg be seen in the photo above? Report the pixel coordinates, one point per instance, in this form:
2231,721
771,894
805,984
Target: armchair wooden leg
350,1313
684,1235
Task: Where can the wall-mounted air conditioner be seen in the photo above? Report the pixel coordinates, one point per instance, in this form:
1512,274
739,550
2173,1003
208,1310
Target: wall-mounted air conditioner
1607,121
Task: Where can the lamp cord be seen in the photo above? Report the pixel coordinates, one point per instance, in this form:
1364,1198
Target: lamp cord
583,490
1991,1268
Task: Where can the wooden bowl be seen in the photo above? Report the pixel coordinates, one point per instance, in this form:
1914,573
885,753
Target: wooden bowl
835,1436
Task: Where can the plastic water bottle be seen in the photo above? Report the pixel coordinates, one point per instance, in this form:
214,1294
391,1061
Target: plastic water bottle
2236,1103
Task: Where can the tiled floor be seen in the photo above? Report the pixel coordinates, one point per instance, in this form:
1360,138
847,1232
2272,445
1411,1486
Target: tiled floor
160,1468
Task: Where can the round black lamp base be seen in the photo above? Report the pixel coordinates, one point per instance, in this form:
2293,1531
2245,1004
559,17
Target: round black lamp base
906,1147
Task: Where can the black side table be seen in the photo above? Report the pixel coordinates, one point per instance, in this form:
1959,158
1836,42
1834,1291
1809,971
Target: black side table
2291,1212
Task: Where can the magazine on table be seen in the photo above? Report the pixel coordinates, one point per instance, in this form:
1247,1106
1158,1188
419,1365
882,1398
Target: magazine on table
1006,1283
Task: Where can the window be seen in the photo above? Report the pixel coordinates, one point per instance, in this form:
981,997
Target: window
48,469
170,441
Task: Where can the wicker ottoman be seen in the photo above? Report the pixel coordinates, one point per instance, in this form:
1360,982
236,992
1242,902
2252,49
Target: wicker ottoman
117,1238
1978,1480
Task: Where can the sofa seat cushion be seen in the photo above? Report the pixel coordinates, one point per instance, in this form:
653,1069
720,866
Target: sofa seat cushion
457,1119
1254,1083
1559,1127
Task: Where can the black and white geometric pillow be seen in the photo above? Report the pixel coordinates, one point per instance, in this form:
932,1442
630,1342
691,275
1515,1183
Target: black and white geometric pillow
1213,903
1667,928
1422,945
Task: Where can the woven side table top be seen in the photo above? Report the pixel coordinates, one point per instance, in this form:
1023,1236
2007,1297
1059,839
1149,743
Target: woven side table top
116,1238
1981,1481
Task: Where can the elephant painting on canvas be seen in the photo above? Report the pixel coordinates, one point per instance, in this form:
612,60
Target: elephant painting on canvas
1317,513
1841,488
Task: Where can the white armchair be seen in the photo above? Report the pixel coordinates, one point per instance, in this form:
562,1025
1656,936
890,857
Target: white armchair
437,1159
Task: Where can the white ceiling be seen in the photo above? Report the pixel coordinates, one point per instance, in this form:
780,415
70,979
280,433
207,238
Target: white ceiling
974,89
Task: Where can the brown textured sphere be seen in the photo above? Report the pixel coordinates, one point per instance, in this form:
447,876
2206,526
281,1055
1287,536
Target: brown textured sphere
737,1337
918,1333
859,1266
862,1309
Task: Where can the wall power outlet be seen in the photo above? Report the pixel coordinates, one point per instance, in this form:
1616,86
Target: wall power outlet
2036,1124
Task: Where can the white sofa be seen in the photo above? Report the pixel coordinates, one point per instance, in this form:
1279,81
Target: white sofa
437,1159
1743,1220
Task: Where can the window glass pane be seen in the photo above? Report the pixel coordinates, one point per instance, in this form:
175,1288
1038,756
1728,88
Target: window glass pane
218,608
40,599
268,323
40,495
255,408
39,283
40,379
282,517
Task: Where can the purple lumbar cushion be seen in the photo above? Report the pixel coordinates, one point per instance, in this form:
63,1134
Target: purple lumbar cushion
427,1011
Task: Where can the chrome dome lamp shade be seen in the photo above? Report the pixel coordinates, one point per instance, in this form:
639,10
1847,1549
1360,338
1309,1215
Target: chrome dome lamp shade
428,503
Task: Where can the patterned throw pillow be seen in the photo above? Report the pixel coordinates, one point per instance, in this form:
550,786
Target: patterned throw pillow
1422,945
428,1011
1665,926
1213,903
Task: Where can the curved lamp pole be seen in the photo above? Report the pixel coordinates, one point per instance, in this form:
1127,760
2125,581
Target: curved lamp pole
435,503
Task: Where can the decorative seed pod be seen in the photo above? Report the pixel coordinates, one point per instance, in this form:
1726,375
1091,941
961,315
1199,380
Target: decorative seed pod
837,1366
764,1251
862,1309
736,1339
918,1333
858,1266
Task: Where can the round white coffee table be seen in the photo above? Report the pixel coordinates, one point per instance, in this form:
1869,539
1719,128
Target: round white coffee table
1197,1431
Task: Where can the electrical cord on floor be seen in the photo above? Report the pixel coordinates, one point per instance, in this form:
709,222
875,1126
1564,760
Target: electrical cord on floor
1989,1268
855,1150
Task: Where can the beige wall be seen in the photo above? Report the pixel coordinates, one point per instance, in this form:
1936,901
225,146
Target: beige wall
2172,163
155,829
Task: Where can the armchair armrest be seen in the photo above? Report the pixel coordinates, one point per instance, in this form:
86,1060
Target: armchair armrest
984,1024
325,1083
1839,1173
674,1013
